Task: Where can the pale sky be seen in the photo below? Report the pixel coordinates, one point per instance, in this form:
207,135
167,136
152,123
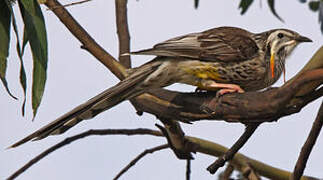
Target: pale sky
74,76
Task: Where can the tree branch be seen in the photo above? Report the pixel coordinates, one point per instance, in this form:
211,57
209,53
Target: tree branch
168,104
188,169
123,32
250,129
141,155
241,162
72,4
192,106
129,132
308,146
225,175
176,139
249,107
87,41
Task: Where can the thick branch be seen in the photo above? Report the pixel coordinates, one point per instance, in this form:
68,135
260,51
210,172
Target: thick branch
176,139
123,32
250,107
308,146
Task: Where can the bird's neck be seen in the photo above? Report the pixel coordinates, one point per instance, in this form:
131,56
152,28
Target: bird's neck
279,68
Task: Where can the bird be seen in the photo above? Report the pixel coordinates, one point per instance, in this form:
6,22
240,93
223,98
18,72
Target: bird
223,59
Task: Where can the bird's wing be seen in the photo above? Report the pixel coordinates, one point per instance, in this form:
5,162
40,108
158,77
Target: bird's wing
219,44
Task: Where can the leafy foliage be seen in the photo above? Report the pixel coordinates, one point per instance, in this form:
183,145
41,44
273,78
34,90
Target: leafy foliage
321,15
314,5
271,4
196,3
35,35
5,20
317,6
244,5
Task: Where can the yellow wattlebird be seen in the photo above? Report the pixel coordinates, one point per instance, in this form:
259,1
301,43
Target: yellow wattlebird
226,59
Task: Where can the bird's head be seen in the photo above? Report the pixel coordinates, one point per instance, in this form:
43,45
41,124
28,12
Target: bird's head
281,43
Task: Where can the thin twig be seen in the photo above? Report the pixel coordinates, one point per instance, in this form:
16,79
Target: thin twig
139,131
225,175
249,173
308,146
141,155
188,169
70,4
123,32
250,129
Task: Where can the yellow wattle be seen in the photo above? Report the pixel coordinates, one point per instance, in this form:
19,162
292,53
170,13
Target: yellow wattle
204,72
272,65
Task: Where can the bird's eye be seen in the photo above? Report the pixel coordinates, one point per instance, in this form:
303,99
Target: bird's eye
280,35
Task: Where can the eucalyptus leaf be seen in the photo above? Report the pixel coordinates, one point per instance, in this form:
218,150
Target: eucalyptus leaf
23,81
321,15
37,38
24,41
314,5
244,5
5,20
271,4
196,3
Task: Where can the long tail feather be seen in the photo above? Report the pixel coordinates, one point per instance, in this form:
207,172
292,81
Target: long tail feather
126,89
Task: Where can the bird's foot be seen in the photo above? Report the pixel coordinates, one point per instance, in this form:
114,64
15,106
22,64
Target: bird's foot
221,92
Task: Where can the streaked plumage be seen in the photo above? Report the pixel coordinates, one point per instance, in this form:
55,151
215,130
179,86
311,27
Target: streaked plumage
224,57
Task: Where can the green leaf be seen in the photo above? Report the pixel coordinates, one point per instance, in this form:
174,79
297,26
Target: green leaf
5,20
37,37
244,5
25,40
196,4
271,4
23,81
321,15
314,5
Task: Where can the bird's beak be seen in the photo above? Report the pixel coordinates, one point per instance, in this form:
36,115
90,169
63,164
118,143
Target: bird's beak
303,39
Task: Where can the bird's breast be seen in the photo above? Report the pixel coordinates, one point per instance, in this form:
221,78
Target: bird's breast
248,74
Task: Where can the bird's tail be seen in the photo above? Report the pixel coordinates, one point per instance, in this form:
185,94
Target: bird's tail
126,89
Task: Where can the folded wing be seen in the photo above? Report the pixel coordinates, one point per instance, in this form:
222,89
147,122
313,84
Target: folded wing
224,44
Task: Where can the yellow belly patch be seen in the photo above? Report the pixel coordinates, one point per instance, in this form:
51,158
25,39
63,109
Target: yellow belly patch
204,72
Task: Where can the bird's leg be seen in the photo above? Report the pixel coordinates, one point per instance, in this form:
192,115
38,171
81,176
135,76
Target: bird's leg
222,88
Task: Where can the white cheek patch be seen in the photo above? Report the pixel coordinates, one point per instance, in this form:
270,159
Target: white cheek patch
289,46
292,42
